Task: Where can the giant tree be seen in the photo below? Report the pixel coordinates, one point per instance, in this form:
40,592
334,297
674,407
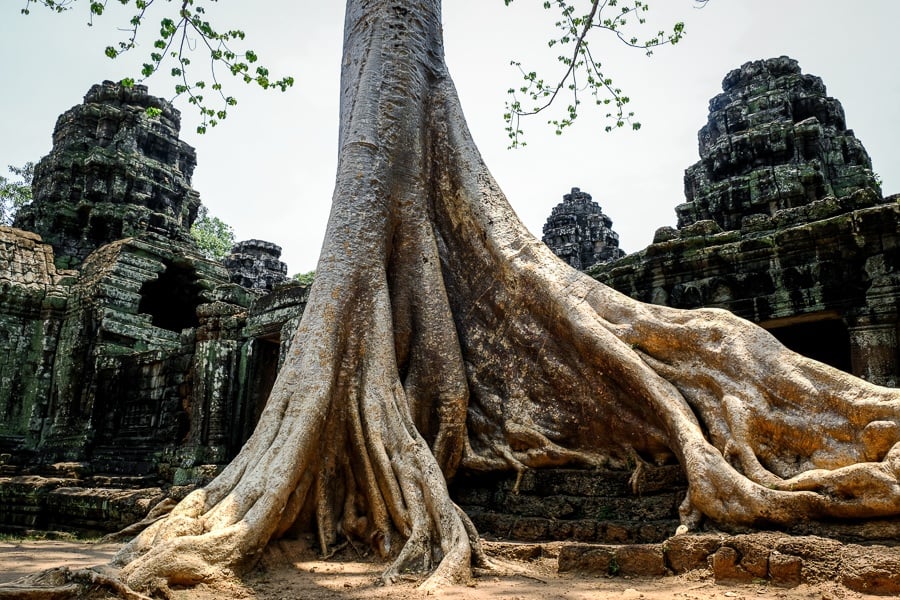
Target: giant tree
440,335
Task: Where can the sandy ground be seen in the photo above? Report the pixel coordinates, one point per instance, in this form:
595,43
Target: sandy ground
290,571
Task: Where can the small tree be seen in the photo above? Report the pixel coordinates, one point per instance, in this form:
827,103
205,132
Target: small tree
214,237
305,278
15,193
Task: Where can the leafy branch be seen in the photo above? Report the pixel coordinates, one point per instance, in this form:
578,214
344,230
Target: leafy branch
179,36
583,74
15,193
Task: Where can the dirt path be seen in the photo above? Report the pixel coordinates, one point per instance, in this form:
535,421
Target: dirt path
290,570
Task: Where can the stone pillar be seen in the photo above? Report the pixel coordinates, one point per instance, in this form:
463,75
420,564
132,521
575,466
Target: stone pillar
873,352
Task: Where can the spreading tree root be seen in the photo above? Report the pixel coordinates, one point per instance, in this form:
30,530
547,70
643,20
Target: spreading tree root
765,435
460,315
62,583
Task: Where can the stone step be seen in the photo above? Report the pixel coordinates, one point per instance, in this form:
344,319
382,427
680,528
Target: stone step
537,529
776,559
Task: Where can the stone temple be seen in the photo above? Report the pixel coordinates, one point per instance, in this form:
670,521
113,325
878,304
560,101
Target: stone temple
132,368
784,224
129,362
579,233
112,173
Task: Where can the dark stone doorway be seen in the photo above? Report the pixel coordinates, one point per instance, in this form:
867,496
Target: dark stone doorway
263,368
172,298
826,341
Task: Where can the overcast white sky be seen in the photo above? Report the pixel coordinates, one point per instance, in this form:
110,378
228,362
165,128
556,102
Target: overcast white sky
269,169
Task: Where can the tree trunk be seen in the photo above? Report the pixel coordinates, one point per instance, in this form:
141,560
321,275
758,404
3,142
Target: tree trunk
439,333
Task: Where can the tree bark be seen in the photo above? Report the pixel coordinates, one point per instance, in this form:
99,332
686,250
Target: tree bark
439,333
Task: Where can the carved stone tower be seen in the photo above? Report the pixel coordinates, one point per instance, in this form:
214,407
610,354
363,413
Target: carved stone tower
579,233
255,264
114,172
784,225
774,140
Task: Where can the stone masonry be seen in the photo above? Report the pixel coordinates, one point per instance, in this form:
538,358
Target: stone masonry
773,141
114,172
784,224
579,233
254,264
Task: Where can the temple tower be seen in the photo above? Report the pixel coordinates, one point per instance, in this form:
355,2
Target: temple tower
774,140
579,233
114,172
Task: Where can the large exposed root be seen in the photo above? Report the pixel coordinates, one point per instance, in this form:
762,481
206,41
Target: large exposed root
765,436
62,583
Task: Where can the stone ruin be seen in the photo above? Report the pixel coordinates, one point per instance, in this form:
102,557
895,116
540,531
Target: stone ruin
132,367
579,233
774,141
254,264
139,374
784,225
112,173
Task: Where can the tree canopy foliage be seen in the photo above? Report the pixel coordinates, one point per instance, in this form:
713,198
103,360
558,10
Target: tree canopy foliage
214,237
186,32
15,192
583,72
183,31
305,278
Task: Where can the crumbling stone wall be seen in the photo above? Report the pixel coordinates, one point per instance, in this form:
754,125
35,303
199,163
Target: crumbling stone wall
33,298
255,264
124,374
596,505
137,369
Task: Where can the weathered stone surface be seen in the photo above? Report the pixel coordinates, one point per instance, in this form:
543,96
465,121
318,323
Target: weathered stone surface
113,172
98,510
634,560
23,499
785,570
572,504
774,140
579,233
254,264
875,570
688,552
33,298
784,225
725,565
773,558
641,560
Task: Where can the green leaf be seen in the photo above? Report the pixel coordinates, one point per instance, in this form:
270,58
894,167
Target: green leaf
214,237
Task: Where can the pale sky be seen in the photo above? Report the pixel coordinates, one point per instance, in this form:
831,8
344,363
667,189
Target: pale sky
269,169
